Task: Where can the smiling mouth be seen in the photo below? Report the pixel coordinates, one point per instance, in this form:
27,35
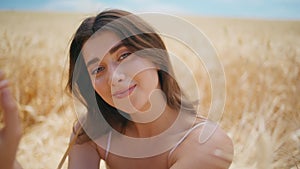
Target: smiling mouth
123,93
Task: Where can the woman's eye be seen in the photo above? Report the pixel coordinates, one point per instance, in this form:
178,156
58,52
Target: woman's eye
97,70
124,56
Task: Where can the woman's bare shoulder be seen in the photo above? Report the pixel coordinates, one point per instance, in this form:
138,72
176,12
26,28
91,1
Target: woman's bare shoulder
80,138
207,146
83,152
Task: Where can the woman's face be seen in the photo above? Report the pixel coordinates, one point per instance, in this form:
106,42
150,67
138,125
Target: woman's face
123,79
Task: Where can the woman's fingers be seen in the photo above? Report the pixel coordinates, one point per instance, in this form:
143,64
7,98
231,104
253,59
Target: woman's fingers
12,128
11,133
3,82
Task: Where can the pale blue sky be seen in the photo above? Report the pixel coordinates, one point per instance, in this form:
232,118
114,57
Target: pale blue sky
266,9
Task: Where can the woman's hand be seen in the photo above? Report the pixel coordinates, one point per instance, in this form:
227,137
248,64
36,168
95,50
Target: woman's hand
10,134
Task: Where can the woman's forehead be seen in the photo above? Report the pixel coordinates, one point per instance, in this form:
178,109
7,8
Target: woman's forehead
100,44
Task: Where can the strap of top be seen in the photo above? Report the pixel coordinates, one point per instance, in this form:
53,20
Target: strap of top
108,146
184,137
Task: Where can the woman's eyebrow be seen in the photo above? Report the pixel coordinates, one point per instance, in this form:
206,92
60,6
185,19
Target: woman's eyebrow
116,47
111,51
92,61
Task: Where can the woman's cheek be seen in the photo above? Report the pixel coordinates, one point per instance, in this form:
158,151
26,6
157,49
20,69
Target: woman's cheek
99,86
103,90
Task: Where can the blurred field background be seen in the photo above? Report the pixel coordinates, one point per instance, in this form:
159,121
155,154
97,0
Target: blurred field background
262,66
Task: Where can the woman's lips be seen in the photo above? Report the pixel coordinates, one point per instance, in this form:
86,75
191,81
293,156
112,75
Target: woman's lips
123,93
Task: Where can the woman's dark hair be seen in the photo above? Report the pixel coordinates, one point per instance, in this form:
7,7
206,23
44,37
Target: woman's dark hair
139,36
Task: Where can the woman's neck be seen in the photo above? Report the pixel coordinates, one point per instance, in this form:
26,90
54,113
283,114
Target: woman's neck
161,122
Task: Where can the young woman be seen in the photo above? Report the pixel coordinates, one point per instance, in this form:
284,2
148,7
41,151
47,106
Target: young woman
137,115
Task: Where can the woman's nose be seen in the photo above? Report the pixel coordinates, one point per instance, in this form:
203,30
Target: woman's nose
116,75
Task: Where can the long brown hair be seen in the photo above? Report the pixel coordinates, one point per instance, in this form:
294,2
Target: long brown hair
139,36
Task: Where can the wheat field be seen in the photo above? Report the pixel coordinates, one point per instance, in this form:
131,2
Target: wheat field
261,61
